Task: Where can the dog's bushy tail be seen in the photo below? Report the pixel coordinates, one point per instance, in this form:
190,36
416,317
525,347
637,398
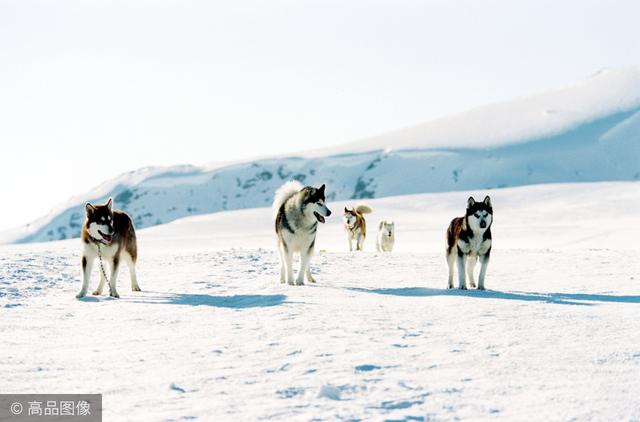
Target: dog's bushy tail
363,209
285,192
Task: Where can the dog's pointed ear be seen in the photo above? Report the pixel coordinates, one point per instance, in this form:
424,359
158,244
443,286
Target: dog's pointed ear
471,202
346,209
381,223
110,204
487,201
321,190
89,208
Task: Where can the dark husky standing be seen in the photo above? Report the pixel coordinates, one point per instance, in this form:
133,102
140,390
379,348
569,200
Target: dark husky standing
297,211
108,235
468,238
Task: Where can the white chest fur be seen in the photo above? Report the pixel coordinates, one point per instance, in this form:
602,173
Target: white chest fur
385,243
107,251
475,245
353,231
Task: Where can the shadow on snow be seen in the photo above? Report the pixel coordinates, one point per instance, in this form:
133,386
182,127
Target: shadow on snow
235,301
556,298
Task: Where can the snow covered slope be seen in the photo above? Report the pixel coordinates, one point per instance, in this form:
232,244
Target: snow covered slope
590,215
214,336
588,132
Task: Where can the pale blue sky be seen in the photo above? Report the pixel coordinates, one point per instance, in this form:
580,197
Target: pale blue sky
90,89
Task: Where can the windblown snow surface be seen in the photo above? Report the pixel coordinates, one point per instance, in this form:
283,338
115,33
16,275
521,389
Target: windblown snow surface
588,132
215,337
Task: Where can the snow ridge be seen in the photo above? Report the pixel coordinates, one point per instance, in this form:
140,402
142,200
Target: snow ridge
585,133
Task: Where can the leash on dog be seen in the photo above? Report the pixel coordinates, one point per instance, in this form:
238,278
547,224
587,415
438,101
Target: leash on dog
104,273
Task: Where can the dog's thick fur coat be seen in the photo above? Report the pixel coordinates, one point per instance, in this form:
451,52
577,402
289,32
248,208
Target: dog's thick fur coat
110,236
469,238
297,212
386,236
355,225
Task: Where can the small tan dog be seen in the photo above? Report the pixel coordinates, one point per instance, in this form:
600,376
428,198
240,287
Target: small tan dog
355,225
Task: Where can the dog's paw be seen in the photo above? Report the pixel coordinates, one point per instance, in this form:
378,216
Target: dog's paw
472,285
80,295
463,287
481,288
136,289
96,293
299,283
115,295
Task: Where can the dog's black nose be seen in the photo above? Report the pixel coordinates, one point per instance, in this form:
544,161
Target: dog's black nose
328,212
483,224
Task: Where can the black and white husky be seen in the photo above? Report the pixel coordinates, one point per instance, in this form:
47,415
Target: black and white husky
469,238
298,210
108,235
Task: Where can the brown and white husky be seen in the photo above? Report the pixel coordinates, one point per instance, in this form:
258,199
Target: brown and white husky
355,225
109,236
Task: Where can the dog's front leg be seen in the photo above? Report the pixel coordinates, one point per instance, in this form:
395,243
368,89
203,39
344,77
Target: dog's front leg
115,263
103,280
461,271
288,263
471,264
304,265
87,265
310,278
451,259
350,239
484,262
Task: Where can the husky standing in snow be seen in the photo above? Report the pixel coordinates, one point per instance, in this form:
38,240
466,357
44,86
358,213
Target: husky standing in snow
386,236
108,235
297,210
469,238
355,225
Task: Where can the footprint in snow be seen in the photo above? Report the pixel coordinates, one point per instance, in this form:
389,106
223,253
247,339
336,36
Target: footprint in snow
330,392
176,388
366,368
290,392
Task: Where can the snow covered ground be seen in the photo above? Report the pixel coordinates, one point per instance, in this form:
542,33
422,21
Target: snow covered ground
214,336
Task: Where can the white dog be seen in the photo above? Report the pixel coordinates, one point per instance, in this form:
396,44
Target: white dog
386,236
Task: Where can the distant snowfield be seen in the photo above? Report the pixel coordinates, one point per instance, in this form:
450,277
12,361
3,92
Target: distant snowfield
588,132
214,336
520,120
587,215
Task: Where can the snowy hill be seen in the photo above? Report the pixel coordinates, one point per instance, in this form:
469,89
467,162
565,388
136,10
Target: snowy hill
583,133
215,336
